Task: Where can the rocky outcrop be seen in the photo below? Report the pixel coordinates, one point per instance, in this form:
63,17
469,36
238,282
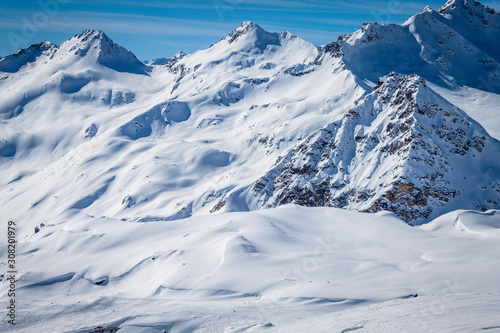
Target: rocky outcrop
403,148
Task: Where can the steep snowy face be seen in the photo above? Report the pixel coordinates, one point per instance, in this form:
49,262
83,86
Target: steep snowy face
166,61
93,45
251,38
89,68
403,149
479,24
22,57
250,48
251,34
457,45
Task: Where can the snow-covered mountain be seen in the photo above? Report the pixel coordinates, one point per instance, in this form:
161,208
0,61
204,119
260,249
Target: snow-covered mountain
290,269
191,134
98,150
166,61
95,46
23,57
403,148
454,46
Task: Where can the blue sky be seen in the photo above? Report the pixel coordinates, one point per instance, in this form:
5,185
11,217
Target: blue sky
152,29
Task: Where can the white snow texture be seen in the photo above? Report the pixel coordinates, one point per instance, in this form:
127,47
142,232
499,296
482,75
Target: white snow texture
262,184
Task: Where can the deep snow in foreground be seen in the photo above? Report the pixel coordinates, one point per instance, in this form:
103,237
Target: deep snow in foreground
286,269
139,189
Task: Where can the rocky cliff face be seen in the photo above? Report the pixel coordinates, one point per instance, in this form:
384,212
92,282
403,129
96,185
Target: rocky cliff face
403,149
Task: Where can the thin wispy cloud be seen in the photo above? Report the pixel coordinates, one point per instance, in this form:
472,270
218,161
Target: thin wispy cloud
133,24
339,7
194,24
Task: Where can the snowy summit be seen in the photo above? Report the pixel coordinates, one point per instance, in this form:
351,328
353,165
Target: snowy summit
261,184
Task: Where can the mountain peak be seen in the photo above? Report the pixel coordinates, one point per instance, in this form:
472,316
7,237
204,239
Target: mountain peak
22,57
451,4
394,80
244,29
89,39
95,44
403,148
410,84
249,35
91,35
469,6
248,25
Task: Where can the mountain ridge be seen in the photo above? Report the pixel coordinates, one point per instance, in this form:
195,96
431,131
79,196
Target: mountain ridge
193,134
257,185
436,46
318,171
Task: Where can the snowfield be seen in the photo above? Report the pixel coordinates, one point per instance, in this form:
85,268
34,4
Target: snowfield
286,269
262,184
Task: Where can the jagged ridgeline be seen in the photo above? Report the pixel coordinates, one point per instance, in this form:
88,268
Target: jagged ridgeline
403,148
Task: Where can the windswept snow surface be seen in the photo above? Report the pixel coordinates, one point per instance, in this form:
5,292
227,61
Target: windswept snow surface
147,182
286,269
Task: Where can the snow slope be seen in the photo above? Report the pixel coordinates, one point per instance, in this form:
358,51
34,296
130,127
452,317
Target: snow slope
403,148
269,270
190,133
248,86
139,177
23,57
455,46
162,128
